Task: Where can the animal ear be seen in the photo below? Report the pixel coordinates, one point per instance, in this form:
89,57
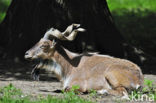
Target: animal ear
53,43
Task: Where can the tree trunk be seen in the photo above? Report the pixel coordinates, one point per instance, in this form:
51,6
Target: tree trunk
27,21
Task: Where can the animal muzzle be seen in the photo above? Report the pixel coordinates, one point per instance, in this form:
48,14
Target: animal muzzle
27,56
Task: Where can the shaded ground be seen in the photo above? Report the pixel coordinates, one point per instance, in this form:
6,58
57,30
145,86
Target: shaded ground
138,27
19,74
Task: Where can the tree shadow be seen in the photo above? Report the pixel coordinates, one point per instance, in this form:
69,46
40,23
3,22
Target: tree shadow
138,27
9,71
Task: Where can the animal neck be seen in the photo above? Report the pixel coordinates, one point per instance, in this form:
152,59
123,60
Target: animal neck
62,65
51,66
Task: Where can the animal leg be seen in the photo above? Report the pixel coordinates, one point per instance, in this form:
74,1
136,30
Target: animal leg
119,91
103,91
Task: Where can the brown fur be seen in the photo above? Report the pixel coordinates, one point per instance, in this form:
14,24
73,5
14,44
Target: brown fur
92,71
89,70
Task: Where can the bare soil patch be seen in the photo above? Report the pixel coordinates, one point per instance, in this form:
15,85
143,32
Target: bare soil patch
19,74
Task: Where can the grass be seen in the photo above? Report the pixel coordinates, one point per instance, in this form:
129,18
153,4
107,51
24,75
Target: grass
134,18
4,4
136,21
130,5
147,94
10,94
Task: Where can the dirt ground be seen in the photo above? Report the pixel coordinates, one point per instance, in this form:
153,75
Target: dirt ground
19,74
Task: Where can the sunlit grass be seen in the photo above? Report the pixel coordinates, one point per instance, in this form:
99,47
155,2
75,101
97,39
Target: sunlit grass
136,21
134,18
132,4
4,4
10,94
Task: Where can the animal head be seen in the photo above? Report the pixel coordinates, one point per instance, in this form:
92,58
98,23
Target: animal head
45,48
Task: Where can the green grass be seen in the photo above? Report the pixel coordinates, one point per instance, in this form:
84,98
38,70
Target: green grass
136,21
4,4
132,4
10,94
149,91
134,18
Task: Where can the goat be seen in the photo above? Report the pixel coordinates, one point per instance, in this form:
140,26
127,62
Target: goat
103,73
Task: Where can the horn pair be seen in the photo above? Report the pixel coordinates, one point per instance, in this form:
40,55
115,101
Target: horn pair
69,34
